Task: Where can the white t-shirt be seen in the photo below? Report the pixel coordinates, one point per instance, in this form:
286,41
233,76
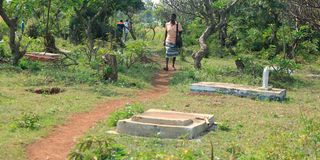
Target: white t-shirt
126,25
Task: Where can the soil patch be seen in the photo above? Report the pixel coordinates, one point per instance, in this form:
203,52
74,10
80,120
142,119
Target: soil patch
47,91
58,144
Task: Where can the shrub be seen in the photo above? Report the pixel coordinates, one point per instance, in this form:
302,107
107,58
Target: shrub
29,120
4,51
98,148
4,30
251,66
30,65
135,51
126,112
284,66
33,31
224,127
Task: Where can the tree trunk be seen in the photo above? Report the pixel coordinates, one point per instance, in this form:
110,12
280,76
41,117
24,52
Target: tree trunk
154,33
198,56
49,41
239,64
90,40
13,27
133,34
112,72
16,54
50,44
223,30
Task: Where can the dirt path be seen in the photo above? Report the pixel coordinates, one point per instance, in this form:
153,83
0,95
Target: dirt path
58,144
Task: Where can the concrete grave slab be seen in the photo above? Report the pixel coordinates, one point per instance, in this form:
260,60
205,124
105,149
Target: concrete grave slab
239,90
166,124
314,76
43,56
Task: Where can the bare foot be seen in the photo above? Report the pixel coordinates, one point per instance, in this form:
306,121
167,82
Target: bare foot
166,69
174,68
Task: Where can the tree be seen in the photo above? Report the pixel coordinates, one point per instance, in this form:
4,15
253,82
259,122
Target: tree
129,8
213,15
307,11
12,23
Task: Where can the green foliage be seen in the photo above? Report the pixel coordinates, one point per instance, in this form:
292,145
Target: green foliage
3,29
252,66
30,65
284,66
127,112
192,32
298,145
97,148
133,53
181,154
224,127
33,31
4,55
29,120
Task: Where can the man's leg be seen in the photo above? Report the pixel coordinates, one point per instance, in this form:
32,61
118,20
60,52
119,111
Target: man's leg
167,63
126,36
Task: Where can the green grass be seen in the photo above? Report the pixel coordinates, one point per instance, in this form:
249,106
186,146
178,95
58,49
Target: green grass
26,116
247,129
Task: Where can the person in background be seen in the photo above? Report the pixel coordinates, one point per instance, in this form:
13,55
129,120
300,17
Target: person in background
22,26
126,30
120,27
172,50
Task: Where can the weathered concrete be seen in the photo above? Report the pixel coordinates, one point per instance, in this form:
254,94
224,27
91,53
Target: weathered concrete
240,90
166,124
314,76
43,56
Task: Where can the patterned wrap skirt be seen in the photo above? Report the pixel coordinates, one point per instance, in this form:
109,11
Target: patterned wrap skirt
171,50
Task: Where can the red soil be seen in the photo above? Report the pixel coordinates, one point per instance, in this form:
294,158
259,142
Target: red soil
58,144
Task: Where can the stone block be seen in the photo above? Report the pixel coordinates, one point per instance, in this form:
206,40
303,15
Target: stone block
166,124
239,90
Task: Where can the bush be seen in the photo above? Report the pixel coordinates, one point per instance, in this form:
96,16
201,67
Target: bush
33,31
4,51
251,65
97,148
284,67
29,120
126,112
4,30
30,65
134,52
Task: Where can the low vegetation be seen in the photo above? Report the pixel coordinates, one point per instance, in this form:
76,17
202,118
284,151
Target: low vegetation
124,113
228,41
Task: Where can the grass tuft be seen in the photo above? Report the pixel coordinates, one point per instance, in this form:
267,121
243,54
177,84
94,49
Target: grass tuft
124,113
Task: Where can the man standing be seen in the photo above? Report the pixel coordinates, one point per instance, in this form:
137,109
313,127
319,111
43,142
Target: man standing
120,27
126,30
22,26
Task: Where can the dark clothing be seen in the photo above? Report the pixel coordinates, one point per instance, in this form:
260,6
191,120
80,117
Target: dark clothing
120,26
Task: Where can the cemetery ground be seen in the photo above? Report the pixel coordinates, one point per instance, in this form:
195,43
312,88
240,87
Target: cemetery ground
246,128
68,108
26,116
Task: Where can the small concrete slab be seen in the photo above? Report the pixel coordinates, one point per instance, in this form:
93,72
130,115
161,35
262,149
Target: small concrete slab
314,76
166,124
239,90
43,56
